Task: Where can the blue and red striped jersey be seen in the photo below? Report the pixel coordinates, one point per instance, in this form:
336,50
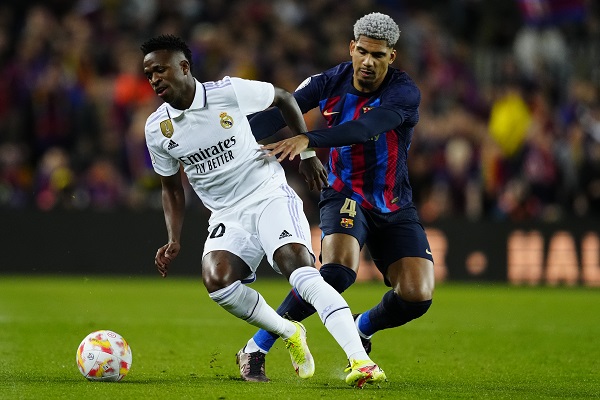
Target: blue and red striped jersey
373,172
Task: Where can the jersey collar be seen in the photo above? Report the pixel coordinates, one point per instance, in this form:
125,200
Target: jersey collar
198,102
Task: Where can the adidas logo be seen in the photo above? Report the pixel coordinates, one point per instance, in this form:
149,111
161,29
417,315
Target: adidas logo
172,145
284,234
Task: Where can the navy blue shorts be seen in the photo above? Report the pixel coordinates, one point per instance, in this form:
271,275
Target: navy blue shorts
388,236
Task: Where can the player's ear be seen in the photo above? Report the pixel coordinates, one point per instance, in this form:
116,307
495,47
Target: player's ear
392,56
352,46
185,66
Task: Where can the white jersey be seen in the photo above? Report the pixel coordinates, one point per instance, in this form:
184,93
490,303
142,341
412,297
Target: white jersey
213,142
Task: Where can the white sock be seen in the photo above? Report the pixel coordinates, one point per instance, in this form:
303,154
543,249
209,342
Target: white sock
252,347
249,305
332,309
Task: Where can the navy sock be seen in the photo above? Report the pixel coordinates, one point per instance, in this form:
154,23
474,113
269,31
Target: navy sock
392,311
295,308
338,276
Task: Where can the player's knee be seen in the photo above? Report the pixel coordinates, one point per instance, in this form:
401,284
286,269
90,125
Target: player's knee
292,256
415,291
416,295
214,279
338,276
213,283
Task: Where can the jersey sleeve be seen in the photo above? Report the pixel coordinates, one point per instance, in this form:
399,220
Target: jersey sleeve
308,93
360,130
267,123
162,163
404,100
253,96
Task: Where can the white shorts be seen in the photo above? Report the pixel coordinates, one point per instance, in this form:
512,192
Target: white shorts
258,227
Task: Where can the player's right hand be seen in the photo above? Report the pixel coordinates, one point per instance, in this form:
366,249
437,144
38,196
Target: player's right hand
314,173
289,147
165,255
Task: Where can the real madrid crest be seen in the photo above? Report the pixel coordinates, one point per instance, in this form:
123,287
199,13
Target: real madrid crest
166,127
226,120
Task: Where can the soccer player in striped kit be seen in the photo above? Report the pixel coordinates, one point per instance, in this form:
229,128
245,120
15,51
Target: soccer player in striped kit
202,130
371,110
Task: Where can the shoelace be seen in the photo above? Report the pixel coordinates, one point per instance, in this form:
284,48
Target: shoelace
256,363
354,363
296,352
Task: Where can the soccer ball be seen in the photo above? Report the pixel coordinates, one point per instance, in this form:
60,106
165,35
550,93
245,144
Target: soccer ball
104,356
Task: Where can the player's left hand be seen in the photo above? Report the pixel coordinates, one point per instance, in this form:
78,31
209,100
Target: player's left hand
290,147
314,173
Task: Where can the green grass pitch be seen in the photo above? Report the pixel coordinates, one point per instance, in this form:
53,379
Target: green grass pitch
477,341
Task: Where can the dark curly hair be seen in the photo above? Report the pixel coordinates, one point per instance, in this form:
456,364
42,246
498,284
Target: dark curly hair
167,42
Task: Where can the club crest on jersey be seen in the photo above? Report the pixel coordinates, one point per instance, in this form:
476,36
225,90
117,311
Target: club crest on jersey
226,120
365,109
347,222
166,127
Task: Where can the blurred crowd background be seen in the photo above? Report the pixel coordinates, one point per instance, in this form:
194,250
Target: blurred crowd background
510,112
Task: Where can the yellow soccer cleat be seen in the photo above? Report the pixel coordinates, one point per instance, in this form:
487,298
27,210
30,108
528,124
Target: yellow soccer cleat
364,371
302,360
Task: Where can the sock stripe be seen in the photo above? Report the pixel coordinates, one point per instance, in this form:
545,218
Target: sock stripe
297,295
303,274
332,312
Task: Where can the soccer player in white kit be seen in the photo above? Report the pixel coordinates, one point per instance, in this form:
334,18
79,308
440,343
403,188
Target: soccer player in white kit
202,128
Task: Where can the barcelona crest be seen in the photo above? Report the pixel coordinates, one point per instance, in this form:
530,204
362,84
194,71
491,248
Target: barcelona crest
347,222
226,120
166,127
